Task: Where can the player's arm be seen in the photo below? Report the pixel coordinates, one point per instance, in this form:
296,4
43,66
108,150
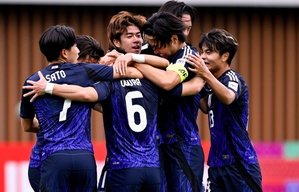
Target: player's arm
72,92
123,61
110,57
193,86
225,95
131,73
203,105
30,125
98,107
166,80
152,60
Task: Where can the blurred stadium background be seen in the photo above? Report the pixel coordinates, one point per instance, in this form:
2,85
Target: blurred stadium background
268,59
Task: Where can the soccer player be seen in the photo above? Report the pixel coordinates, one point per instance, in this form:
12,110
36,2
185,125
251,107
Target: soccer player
182,150
63,124
130,122
90,49
34,167
90,52
233,163
184,12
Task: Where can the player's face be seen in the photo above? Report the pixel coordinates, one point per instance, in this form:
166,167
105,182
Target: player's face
212,59
131,41
73,54
188,24
165,52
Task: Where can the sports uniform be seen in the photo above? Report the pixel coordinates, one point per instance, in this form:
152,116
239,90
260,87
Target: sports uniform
34,168
67,153
230,142
130,115
182,151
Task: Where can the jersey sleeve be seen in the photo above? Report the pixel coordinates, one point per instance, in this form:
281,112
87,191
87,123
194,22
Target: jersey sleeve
103,89
26,108
98,71
176,91
232,82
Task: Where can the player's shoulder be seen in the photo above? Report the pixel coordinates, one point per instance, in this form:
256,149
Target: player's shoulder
232,75
190,46
233,79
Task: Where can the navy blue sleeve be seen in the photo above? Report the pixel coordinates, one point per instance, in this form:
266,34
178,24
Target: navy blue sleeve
176,91
103,89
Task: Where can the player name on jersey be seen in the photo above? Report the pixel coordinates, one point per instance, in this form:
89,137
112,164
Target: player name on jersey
130,82
55,76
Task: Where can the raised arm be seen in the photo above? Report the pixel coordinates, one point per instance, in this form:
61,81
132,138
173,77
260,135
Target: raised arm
225,95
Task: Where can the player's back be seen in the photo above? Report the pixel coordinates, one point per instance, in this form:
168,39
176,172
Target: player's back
130,115
65,124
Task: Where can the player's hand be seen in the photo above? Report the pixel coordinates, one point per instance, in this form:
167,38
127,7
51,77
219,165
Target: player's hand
122,62
109,58
38,87
198,63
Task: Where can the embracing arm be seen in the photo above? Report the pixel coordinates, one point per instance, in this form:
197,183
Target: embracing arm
123,61
132,72
72,92
155,61
75,93
193,86
163,79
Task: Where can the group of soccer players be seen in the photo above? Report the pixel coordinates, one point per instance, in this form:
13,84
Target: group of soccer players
149,103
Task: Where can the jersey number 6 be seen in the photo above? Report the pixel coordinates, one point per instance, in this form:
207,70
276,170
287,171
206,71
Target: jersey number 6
132,109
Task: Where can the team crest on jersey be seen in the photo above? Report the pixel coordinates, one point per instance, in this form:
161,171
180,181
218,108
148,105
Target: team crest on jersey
181,61
209,100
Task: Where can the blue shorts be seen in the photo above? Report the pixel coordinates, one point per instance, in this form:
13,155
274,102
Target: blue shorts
34,177
183,166
69,170
145,179
228,178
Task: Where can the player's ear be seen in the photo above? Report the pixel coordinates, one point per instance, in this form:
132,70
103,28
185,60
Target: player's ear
116,43
225,56
63,53
174,39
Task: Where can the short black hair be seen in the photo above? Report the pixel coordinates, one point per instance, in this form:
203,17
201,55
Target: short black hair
55,39
162,26
221,41
178,9
87,45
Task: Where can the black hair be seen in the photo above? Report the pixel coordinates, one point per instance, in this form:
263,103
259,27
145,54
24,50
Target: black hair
87,45
178,9
221,41
55,39
162,26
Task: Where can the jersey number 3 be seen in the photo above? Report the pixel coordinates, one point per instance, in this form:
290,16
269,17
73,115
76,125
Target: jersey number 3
132,109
